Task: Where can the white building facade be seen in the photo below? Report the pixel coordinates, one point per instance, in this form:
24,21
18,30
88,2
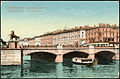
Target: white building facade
37,41
69,38
23,42
82,37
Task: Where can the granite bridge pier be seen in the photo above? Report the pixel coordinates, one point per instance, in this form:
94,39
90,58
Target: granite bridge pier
14,56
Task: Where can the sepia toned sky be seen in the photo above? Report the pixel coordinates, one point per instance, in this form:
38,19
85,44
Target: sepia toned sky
33,18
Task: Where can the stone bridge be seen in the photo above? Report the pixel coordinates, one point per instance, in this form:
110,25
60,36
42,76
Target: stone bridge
15,56
59,53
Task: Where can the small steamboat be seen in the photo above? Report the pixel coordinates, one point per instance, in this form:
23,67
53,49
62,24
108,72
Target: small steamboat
85,61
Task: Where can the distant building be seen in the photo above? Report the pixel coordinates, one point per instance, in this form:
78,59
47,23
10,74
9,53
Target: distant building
102,35
37,41
31,41
22,42
46,40
27,42
69,38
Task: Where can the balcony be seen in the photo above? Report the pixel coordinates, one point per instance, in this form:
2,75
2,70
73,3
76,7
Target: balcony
109,31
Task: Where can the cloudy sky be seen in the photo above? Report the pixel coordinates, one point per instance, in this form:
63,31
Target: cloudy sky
33,18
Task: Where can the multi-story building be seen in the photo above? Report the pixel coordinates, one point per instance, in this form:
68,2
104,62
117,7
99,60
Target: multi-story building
31,41
37,41
102,35
23,42
46,40
70,37
27,42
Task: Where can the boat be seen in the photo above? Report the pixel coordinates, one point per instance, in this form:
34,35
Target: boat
85,61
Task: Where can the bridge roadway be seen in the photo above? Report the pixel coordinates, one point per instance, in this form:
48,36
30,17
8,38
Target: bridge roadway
60,52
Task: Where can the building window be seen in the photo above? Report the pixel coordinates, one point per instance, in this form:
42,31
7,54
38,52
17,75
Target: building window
82,36
112,39
106,29
82,32
117,36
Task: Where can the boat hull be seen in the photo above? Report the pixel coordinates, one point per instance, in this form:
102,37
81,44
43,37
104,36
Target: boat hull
85,61
82,63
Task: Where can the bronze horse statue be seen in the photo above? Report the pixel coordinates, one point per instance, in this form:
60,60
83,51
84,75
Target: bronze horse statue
12,35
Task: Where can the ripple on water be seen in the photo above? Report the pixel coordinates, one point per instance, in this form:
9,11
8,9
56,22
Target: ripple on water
45,69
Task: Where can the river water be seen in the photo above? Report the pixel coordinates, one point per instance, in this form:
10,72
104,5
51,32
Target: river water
45,69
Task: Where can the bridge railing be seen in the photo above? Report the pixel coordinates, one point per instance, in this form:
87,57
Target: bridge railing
63,46
67,48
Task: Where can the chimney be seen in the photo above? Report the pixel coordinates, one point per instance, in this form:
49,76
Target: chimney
80,27
103,24
107,24
94,26
115,25
86,26
100,24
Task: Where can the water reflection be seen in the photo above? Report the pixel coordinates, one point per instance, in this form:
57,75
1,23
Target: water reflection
10,71
42,66
59,70
45,69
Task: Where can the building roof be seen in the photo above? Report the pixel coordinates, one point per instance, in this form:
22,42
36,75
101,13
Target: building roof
86,27
36,36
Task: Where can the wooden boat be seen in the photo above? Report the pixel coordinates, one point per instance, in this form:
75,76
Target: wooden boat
85,61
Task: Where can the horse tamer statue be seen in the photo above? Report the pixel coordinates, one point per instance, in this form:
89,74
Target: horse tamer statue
12,35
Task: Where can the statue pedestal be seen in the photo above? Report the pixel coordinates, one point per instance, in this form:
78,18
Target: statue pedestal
12,44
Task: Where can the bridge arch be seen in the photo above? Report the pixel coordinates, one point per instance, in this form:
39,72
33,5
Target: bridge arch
108,50
67,57
28,52
72,54
104,57
48,56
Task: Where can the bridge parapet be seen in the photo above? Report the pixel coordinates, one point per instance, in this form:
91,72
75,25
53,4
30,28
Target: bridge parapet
39,47
53,47
65,50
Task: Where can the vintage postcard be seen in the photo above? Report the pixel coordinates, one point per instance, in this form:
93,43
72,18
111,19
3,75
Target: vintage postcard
59,39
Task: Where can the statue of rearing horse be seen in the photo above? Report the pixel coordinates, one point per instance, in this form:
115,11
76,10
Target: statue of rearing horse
12,35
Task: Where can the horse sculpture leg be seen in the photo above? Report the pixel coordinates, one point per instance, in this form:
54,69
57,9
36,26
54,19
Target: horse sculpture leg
11,39
16,37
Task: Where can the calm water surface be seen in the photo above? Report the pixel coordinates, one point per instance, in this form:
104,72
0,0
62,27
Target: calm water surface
45,69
